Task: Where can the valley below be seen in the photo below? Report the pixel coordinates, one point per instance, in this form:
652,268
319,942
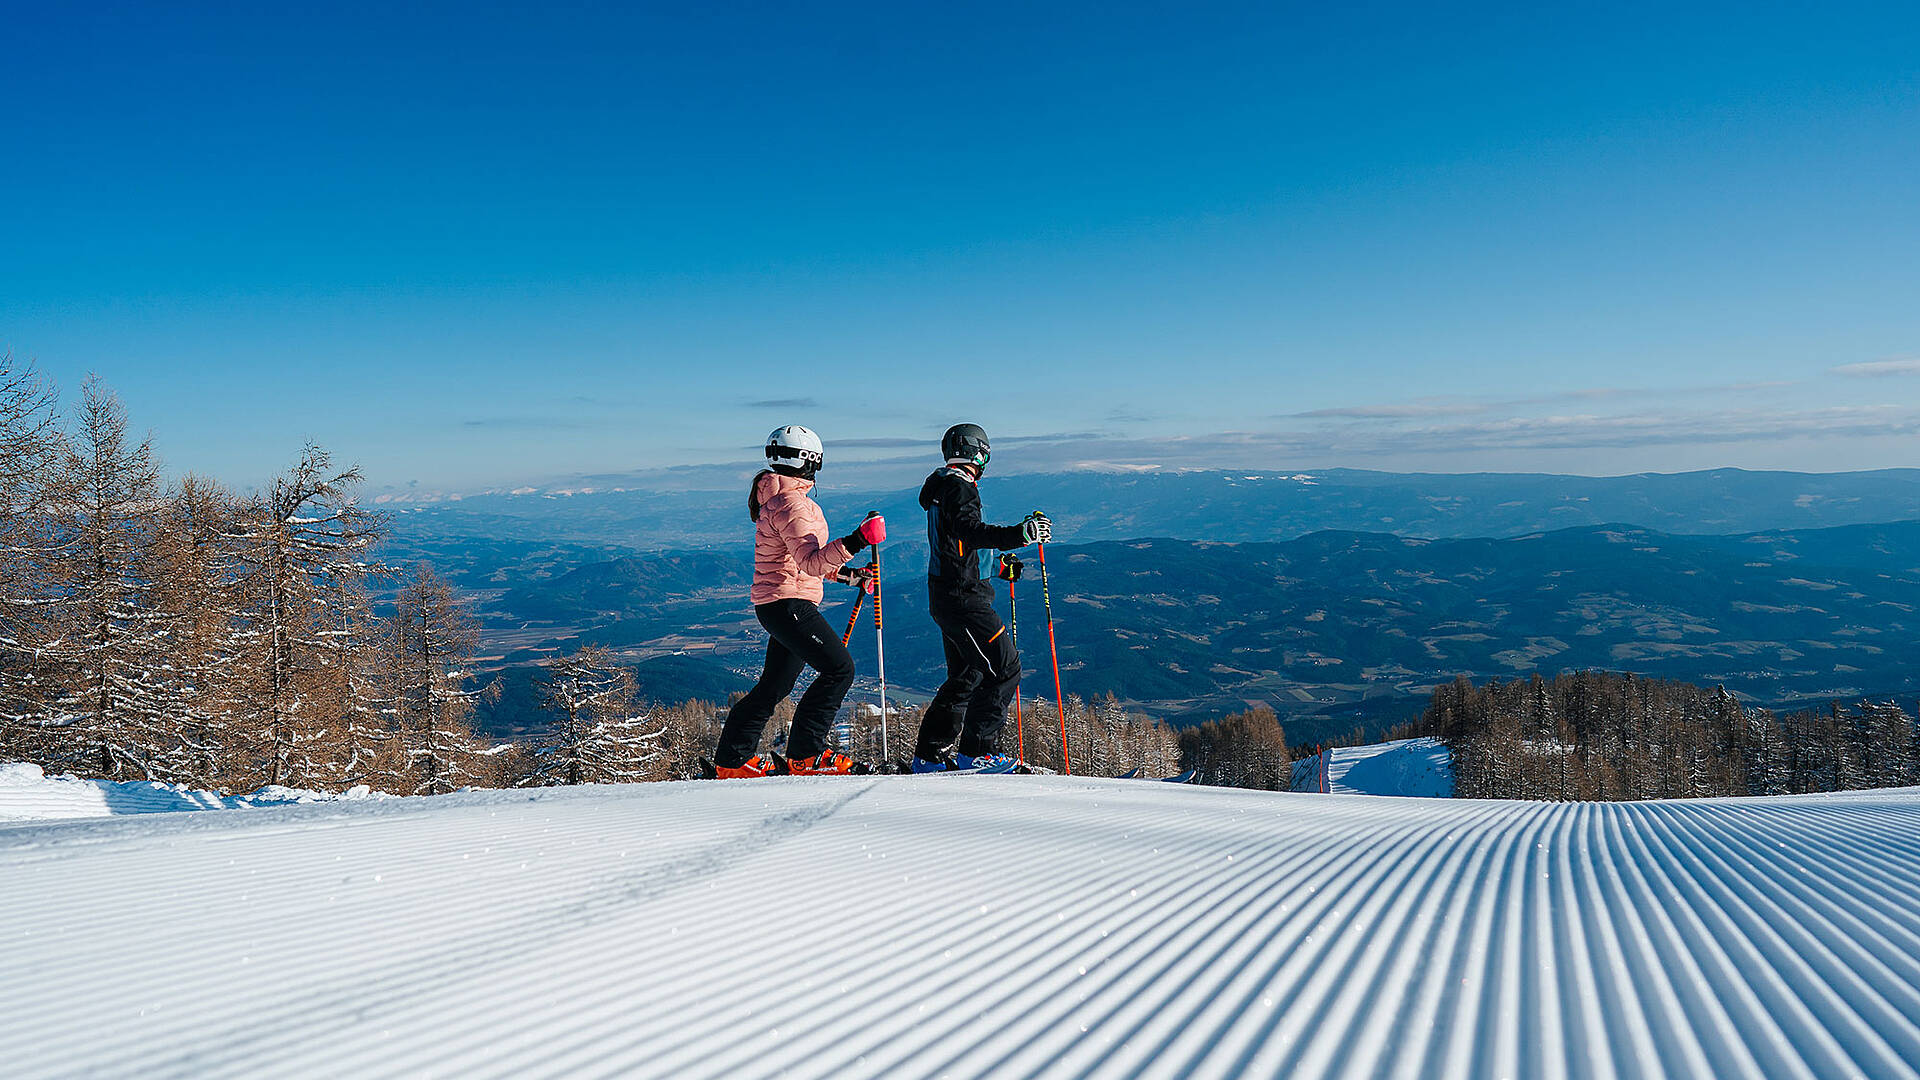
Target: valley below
1335,630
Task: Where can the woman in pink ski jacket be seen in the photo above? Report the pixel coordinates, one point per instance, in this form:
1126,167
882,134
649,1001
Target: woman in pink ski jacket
791,554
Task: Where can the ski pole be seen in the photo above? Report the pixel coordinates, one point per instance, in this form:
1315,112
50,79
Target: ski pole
854,619
1013,637
1060,703
880,644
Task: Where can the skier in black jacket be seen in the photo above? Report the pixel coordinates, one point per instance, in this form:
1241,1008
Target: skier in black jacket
982,667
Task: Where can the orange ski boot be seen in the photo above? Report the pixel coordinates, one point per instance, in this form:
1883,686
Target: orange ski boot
827,763
754,766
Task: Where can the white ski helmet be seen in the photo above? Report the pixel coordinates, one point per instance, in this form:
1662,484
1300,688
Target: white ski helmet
797,449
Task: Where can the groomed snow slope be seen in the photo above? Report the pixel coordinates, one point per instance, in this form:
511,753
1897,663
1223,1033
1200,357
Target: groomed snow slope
28,794
967,926
1420,767
1412,767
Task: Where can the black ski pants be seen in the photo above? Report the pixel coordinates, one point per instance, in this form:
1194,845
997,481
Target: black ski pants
798,637
982,671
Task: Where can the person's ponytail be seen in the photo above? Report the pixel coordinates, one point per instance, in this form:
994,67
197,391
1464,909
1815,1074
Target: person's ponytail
753,496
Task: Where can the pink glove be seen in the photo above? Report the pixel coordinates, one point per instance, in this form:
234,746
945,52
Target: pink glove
871,531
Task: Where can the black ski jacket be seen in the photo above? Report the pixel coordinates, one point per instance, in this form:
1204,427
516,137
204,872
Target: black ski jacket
957,535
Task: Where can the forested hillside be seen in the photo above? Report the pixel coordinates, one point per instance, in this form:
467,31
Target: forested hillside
1602,735
191,634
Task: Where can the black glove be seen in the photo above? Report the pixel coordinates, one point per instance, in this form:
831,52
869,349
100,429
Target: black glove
1010,568
1037,529
860,577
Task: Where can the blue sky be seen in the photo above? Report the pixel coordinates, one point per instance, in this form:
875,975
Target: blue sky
475,247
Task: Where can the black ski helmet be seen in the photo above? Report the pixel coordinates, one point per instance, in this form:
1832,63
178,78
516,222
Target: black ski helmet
966,444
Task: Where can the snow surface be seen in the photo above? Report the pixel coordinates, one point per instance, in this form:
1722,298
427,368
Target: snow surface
28,794
963,926
1418,767
1411,767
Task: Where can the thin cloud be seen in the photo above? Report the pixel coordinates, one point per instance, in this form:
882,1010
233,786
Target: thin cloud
1435,442
1655,429
1591,439
525,423
883,444
1058,436
1424,408
1874,369
1608,393
998,440
785,403
1410,410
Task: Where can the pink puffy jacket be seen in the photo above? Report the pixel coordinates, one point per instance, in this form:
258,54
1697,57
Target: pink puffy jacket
791,552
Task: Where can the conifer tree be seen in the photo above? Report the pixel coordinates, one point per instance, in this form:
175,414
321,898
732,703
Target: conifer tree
365,666
435,639
1245,749
598,735
31,561
296,544
691,730
113,641
193,590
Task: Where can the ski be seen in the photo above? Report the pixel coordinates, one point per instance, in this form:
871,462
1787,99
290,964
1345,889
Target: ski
867,768
906,768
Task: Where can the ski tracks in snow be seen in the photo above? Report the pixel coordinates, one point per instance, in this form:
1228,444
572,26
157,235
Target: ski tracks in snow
969,926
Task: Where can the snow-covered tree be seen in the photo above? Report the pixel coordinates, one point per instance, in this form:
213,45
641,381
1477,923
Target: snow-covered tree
193,570
297,543
1765,757
363,668
692,728
32,563
112,648
1246,749
434,643
598,734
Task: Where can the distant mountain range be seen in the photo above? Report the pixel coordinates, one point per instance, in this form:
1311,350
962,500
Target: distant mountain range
1219,505
1333,629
